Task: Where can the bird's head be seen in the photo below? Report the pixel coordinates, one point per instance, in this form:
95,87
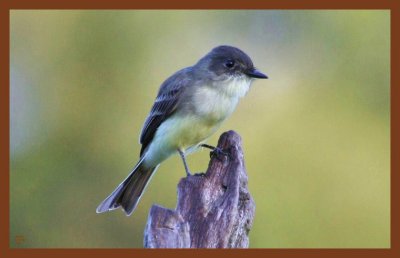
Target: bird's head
228,62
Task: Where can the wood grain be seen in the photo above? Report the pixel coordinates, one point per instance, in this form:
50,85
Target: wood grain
214,210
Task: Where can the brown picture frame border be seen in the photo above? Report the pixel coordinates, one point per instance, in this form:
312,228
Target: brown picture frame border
7,5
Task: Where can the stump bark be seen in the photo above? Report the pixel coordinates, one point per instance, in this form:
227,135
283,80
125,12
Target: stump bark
214,210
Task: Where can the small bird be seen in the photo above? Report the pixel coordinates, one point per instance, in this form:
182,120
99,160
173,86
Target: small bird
190,106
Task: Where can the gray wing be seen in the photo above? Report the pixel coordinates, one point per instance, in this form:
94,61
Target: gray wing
164,105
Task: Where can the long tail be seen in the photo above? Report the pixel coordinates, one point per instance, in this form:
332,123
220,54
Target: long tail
128,193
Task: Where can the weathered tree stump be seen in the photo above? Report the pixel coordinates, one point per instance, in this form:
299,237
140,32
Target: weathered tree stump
214,210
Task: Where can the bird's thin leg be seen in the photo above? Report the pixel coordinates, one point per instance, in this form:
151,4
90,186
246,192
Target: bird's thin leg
182,154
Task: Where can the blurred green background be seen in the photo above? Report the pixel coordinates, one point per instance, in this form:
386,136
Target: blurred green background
316,135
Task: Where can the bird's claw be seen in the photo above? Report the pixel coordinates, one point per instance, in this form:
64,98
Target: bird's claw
218,152
201,174
215,152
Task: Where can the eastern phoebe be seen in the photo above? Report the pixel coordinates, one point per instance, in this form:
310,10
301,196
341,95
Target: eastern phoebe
189,108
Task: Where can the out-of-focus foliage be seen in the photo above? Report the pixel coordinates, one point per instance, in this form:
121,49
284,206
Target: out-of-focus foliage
316,135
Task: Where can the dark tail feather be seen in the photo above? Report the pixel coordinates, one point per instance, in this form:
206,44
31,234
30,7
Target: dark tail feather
128,193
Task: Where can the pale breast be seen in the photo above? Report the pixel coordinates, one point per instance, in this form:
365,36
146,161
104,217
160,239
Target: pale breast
217,102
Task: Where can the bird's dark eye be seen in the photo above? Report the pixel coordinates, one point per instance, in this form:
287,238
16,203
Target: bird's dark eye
230,63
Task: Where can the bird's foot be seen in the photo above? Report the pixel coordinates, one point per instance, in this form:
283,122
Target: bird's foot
201,174
188,174
216,152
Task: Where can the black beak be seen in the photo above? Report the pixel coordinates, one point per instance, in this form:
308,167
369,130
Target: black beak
254,73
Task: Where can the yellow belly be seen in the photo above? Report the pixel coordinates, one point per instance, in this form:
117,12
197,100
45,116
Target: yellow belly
178,132
184,132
